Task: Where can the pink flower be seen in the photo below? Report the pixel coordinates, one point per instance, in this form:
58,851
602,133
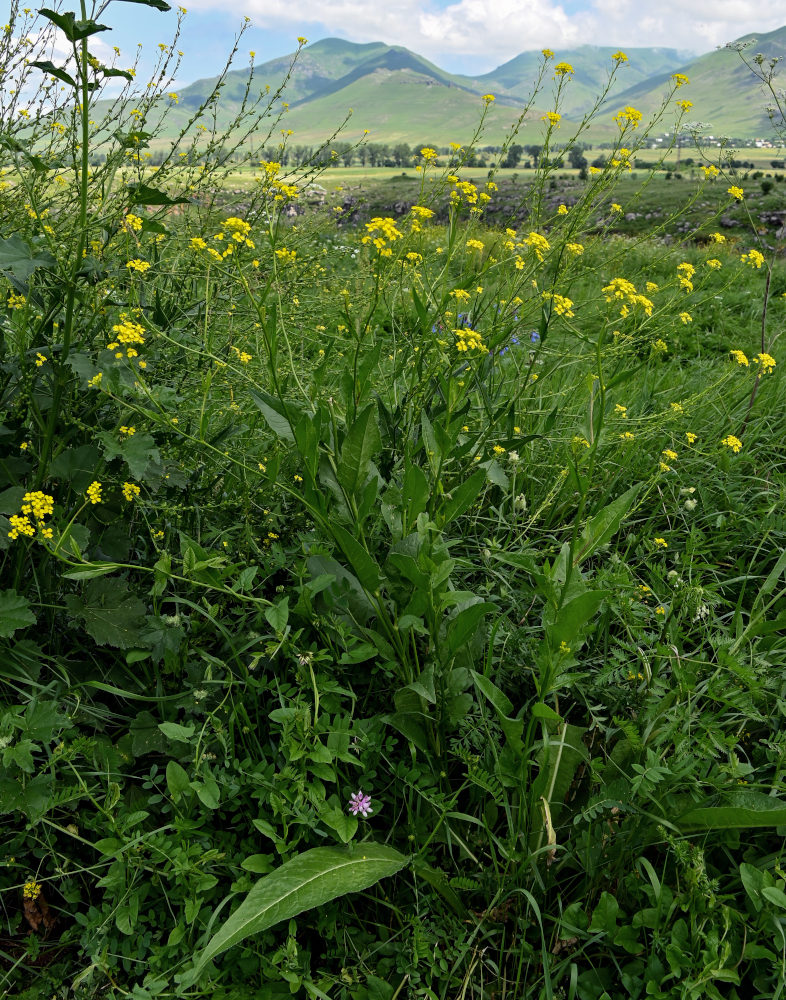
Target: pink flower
360,803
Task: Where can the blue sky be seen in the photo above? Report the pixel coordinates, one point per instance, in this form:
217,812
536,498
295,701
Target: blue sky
471,36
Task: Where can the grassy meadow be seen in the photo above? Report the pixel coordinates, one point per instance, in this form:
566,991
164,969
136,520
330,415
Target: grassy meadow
393,566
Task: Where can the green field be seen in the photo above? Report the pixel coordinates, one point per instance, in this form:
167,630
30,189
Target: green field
393,573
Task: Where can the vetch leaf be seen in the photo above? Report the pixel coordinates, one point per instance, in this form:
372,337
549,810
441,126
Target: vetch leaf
307,881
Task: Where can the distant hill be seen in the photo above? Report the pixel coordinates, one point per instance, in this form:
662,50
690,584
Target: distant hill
724,92
402,97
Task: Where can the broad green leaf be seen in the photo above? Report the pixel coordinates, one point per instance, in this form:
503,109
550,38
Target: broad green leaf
277,422
304,883
15,613
91,572
110,613
364,566
73,29
143,194
277,616
742,810
46,66
462,497
174,731
463,627
360,445
558,759
600,528
21,259
177,780
573,616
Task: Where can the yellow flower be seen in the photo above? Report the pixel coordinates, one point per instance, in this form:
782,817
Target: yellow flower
680,79
428,154
40,359
767,362
547,53
714,264
661,543
552,117
669,453
628,116
686,318
302,41
684,105
31,889
690,437
754,258
129,431
563,306
563,69
739,357
488,98
615,207
93,492
620,57
575,248
732,442
736,192
627,436
130,491
620,410
475,244
499,450
710,171
562,210
718,238
138,265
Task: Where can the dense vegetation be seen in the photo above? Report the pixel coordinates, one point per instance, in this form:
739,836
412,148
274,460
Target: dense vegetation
387,611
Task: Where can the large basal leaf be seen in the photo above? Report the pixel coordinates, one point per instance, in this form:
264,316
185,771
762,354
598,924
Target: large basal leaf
21,259
740,811
15,613
304,883
362,442
110,613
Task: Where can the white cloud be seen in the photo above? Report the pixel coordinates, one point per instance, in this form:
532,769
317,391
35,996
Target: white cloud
492,31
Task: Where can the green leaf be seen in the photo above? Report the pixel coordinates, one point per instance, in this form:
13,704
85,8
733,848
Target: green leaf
174,731
503,706
143,194
276,420
21,259
74,30
573,616
278,615
743,809
463,627
91,572
110,613
177,780
343,823
15,613
364,566
139,452
362,442
157,4
46,66
462,497
304,883
600,528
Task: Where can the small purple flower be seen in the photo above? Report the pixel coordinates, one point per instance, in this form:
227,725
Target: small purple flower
534,337
360,803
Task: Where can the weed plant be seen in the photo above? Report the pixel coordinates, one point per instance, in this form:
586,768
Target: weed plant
385,613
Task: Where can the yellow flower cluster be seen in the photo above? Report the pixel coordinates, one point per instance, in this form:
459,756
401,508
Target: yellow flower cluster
132,223
36,506
421,212
552,117
563,306
93,492
686,318
767,363
130,491
685,273
754,258
138,265
238,230
625,291
469,340
380,232
575,248
714,264
710,171
286,256
428,154
684,105
736,192
628,116
679,79
563,69
127,332
732,442
464,191
15,301
539,244
475,244
31,889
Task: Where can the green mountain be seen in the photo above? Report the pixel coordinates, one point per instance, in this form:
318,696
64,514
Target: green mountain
725,94
400,96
